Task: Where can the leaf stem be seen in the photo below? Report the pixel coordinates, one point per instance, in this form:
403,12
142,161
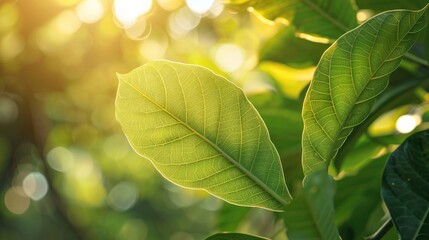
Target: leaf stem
416,59
381,231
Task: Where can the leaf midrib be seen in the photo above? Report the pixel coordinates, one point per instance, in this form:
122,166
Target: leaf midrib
328,17
366,84
421,224
229,158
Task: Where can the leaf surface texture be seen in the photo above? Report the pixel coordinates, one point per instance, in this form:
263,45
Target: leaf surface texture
348,78
200,131
405,187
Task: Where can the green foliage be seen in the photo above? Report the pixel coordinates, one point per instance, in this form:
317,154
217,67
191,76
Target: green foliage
405,186
324,18
200,131
311,214
351,73
234,236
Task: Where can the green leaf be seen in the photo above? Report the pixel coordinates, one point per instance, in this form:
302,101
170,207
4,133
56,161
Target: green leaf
234,236
311,213
348,78
323,18
405,187
285,47
200,131
383,5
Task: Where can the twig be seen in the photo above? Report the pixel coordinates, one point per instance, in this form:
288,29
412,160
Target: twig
381,231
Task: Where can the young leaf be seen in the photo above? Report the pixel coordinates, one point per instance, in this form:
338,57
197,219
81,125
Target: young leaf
405,188
348,78
311,214
200,131
323,18
234,236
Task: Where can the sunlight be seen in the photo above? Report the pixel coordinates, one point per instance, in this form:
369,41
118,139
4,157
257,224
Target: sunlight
199,6
229,57
407,123
67,22
90,11
127,12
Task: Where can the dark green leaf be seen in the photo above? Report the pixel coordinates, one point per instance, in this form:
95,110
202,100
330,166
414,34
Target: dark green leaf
405,188
311,213
324,18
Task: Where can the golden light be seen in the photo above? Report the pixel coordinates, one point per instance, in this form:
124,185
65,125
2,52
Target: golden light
127,12
181,22
155,46
314,38
67,22
407,123
90,11
363,15
35,186
199,6
229,57
170,5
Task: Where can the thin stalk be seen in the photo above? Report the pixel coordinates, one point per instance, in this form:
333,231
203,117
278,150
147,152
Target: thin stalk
413,58
381,231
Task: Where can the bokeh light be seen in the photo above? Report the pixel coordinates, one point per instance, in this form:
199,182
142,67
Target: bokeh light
407,123
229,57
16,201
60,159
8,110
90,11
35,185
123,196
200,6
127,12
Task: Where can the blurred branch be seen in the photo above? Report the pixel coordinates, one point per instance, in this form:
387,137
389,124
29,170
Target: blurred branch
381,231
38,132
415,59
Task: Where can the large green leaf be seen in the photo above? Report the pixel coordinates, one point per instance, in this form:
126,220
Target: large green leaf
200,131
234,236
311,214
324,18
405,188
348,78
383,5
285,47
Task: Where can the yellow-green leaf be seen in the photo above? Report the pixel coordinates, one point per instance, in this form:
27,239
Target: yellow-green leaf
348,78
200,131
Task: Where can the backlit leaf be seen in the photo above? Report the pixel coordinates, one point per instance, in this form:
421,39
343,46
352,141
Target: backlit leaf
200,131
311,214
323,18
350,75
405,188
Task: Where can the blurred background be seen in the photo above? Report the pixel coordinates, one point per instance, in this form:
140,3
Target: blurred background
66,169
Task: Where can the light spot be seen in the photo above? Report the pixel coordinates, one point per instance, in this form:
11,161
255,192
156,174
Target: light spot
363,15
35,186
122,196
170,5
67,22
229,57
16,201
90,11
312,38
127,12
8,110
199,6
407,123
60,159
